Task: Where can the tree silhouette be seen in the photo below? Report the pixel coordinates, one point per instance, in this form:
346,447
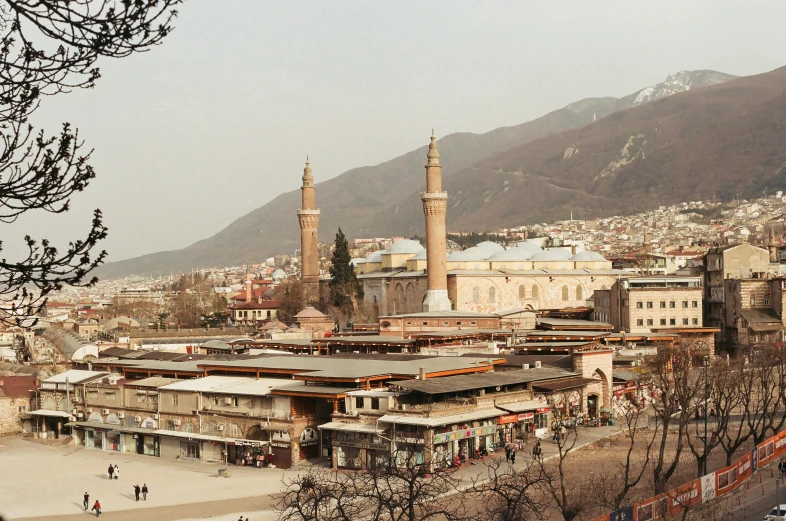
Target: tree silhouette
345,289
49,48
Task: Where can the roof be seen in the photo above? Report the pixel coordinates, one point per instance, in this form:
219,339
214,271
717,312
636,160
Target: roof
350,427
560,385
310,312
47,412
490,246
422,255
216,344
473,254
760,316
441,420
404,246
588,256
17,386
262,304
444,314
527,405
120,352
75,376
453,384
155,381
512,254
241,385
530,247
552,254
564,361
376,256
568,322
622,374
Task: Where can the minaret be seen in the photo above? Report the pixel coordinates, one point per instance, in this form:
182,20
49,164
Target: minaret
773,246
435,203
308,216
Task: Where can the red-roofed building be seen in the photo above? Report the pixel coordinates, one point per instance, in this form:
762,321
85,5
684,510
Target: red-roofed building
254,311
15,401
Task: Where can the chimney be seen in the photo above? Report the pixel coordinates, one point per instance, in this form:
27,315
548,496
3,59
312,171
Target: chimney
422,373
248,288
573,249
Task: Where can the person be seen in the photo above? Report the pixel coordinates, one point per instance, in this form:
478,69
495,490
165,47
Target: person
562,432
507,453
97,508
513,457
137,490
144,491
456,461
86,502
110,471
117,472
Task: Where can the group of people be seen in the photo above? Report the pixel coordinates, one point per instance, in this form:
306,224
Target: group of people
537,451
258,460
114,473
143,490
510,453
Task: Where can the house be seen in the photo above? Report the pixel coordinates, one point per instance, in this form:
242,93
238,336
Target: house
16,393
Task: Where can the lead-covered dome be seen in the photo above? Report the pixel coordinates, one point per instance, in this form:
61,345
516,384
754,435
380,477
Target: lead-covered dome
552,254
512,254
493,247
473,254
588,256
405,246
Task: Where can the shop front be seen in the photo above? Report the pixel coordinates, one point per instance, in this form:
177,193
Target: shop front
51,424
463,442
119,438
249,453
525,419
191,446
356,446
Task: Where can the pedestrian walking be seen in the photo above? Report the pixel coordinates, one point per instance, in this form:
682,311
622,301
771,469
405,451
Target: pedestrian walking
86,502
513,457
137,491
97,508
507,453
117,472
144,491
110,471
562,432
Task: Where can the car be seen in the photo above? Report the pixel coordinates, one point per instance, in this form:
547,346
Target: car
774,515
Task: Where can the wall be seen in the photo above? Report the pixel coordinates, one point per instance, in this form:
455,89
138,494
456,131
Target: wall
658,297
9,414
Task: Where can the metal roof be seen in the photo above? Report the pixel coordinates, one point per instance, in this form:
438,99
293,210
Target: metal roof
75,376
444,314
441,420
527,405
560,385
241,385
452,384
351,427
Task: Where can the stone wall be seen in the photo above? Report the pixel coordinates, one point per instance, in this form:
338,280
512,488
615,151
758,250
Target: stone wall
10,422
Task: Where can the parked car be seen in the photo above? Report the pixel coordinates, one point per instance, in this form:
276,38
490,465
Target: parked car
775,515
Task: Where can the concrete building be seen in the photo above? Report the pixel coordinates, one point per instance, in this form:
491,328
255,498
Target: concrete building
754,312
308,217
638,305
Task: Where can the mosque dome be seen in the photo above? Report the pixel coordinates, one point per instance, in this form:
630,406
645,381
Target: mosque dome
473,254
527,246
493,247
512,254
420,256
278,275
357,260
588,256
376,256
552,254
405,246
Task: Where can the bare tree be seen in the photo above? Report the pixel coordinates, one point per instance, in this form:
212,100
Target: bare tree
563,487
49,48
506,493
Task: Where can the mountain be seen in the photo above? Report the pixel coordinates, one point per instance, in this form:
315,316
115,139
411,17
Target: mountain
384,199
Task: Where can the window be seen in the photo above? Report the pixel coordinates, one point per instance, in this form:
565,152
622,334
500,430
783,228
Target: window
358,402
695,321
473,323
663,322
476,295
22,408
639,305
375,404
141,398
649,321
753,301
766,302
672,304
684,303
662,304
425,323
639,321
492,295
174,399
649,304
564,293
685,321
215,400
445,323
458,322
579,293
624,303
534,291
522,292
252,403
234,431
672,321
409,323
695,304
234,401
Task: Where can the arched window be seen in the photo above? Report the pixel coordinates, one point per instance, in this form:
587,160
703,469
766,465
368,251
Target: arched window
492,295
399,303
522,292
535,293
410,298
579,293
564,293
476,295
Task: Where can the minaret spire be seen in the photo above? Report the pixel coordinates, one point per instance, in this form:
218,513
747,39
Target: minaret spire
435,203
308,217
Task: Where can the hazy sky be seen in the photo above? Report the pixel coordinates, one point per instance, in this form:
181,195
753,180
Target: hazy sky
256,85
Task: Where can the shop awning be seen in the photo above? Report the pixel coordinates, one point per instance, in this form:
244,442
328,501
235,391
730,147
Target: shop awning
253,443
351,427
529,405
56,414
442,420
561,385
110,427
192,436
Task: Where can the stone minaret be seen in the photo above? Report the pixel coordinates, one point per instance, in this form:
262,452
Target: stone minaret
308,216
435,203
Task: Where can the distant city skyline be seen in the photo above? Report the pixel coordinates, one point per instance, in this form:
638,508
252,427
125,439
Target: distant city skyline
219,119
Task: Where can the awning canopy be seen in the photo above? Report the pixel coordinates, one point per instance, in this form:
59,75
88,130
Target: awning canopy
762,327
192,436
442,420
351,427
529,405
45,412
561,385
111,427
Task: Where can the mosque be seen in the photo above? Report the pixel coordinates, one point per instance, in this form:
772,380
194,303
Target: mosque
487,278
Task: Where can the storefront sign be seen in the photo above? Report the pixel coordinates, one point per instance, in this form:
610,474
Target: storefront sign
280,445
308,443
463,434
526,416
509,418
542,410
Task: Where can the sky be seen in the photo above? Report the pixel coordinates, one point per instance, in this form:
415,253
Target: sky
251,87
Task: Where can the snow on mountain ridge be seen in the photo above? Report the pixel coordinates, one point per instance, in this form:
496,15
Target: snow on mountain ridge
680,82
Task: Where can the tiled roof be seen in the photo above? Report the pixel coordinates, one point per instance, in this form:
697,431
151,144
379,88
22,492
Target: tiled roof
17,386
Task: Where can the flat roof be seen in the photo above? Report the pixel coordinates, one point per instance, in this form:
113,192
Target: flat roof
351,427
571,322
451,384
155,381
443,314
559,385
241,385
365,339
75,376
538,333
436,421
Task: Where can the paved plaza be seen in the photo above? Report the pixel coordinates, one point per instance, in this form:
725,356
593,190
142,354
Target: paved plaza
42,481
